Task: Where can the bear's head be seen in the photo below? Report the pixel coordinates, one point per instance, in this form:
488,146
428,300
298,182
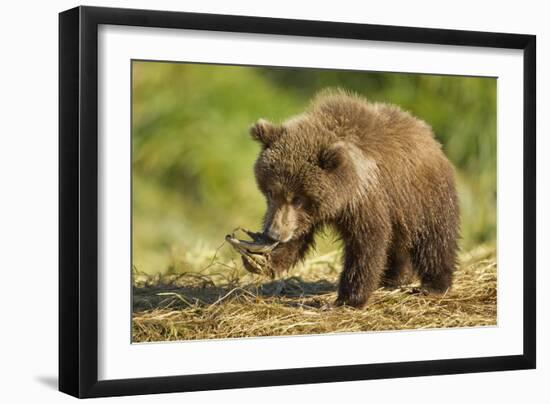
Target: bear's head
303,171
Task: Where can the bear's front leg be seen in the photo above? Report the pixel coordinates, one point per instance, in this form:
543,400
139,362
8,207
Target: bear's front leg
364,264
285,255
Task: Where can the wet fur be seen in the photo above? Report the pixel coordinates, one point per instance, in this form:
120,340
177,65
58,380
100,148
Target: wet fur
377,175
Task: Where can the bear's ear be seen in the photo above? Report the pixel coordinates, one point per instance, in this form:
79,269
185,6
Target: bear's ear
332,157
264,132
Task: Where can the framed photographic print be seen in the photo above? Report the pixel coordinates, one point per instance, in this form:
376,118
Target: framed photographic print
251,201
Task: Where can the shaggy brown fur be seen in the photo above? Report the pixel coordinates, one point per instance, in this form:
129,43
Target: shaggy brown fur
373,172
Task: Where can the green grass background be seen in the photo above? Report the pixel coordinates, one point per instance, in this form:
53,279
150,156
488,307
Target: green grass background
192,155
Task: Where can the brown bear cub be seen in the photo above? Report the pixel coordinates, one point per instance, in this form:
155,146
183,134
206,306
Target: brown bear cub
373,172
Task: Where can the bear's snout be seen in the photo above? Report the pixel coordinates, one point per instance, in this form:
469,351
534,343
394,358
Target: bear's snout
277,234
282,225
273,234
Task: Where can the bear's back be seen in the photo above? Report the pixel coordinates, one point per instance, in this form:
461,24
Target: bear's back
384,132
410,164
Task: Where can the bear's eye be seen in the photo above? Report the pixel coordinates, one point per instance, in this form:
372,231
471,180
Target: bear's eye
297,201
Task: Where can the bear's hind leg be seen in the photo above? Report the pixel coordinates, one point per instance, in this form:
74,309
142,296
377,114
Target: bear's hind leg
399,271
435,261
437,283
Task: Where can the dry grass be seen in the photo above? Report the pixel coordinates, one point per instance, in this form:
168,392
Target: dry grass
222,301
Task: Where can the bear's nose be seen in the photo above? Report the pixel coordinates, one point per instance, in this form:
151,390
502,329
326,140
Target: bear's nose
273,234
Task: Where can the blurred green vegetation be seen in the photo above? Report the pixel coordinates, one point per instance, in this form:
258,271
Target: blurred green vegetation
192,155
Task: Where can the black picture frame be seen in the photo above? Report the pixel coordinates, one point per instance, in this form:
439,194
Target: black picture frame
78,201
